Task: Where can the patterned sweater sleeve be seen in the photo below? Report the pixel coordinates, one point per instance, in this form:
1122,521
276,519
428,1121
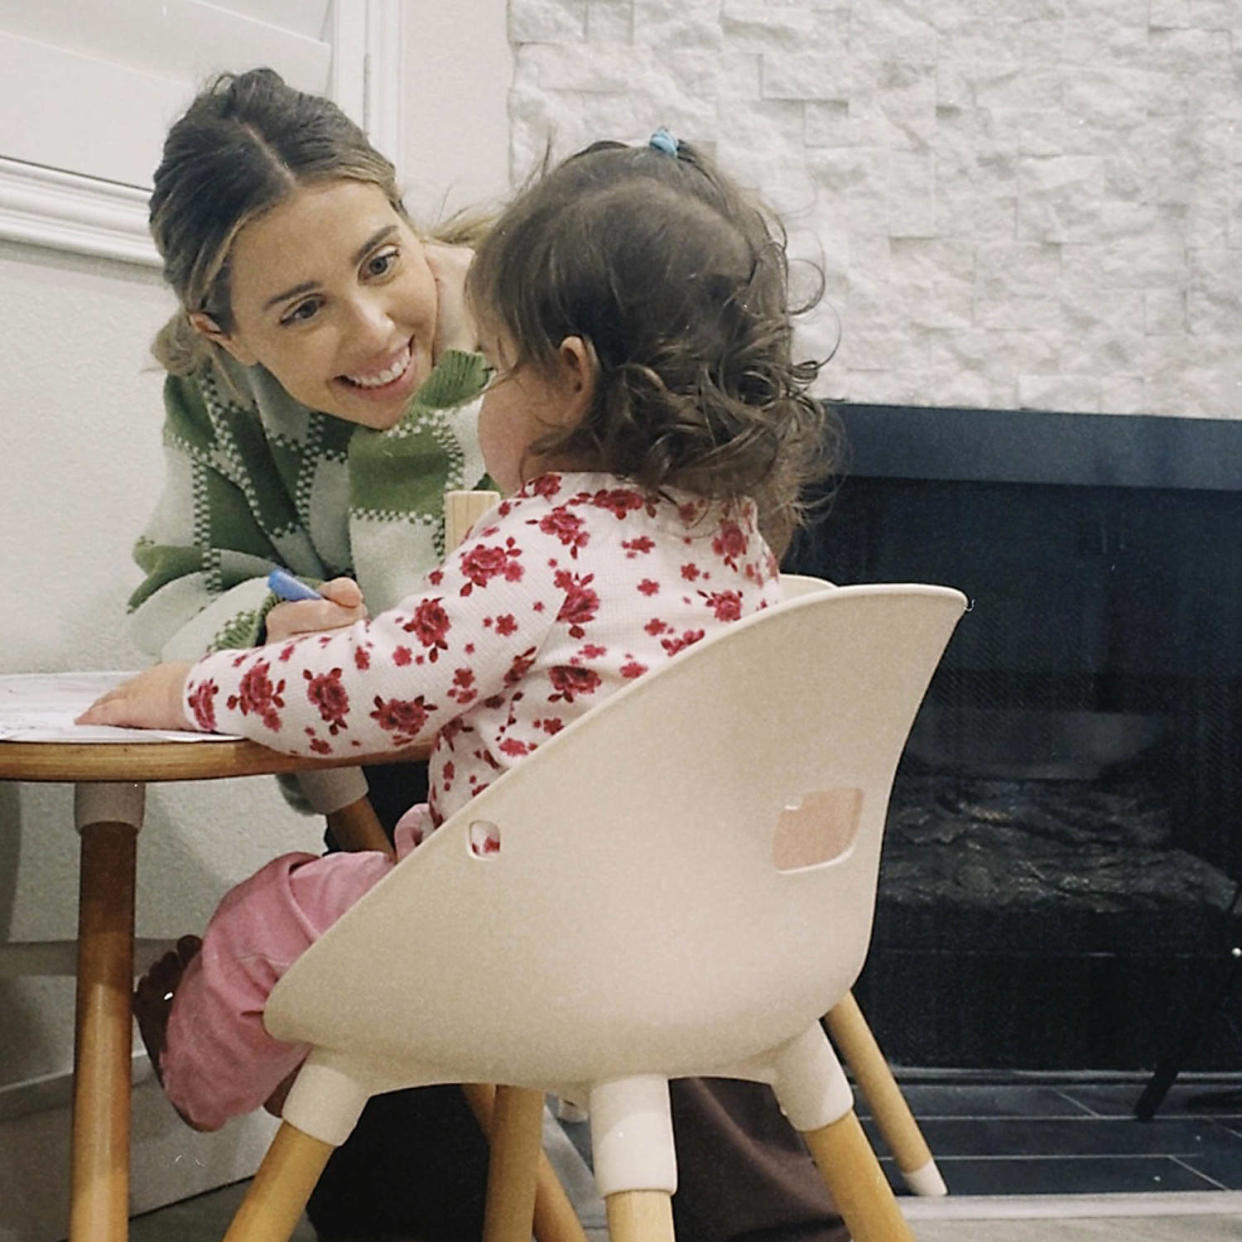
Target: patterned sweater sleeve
397,679
251,483
204,552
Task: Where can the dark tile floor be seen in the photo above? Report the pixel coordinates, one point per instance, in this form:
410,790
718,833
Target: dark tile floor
1037,1135
1031,1135
1040,1135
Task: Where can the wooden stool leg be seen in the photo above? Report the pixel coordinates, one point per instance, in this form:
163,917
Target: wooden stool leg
640,1216
356,827
277,1197
516,1138
857,1183
555,1218
852,1035
99,1192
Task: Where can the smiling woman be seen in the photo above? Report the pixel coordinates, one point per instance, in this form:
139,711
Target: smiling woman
334,294
322,384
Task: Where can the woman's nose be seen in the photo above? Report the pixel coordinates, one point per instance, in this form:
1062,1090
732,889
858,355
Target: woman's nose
372,319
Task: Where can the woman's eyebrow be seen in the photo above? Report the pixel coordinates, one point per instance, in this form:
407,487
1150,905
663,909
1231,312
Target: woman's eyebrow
374,240
308,285
297,290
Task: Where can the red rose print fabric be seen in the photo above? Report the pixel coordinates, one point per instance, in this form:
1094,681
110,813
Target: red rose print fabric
562,594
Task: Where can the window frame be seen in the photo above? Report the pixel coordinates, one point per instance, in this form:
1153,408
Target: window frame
86,215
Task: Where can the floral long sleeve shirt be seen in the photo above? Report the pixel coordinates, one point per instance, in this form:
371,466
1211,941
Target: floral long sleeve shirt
560,595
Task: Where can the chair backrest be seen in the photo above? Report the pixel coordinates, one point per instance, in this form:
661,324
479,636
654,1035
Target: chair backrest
686,875
803,584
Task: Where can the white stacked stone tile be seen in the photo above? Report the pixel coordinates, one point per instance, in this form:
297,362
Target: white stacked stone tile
1015,203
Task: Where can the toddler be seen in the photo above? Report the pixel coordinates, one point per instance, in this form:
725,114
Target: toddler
650,427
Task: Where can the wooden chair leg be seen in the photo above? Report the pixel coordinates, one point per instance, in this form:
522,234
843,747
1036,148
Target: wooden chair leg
896,1123
640,1216
857,1183
555,1219
278,1195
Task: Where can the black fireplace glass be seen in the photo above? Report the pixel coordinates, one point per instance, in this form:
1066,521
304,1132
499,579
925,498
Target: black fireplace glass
1064,839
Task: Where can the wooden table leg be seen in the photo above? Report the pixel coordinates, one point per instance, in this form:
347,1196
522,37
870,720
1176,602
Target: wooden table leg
108,819
356,827
516,1138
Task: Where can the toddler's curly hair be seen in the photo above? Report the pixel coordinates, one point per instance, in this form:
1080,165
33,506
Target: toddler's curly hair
678,282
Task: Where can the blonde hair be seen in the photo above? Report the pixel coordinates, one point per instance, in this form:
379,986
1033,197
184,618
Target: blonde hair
246,143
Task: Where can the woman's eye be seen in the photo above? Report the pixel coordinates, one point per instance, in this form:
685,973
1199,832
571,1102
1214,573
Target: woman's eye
301,312
382,262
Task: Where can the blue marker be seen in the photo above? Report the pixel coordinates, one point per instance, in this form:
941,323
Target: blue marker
286,586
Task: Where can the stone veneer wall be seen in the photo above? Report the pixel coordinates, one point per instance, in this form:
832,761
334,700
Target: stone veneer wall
1018,203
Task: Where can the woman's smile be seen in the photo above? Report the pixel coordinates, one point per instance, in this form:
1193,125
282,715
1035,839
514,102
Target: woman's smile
381,379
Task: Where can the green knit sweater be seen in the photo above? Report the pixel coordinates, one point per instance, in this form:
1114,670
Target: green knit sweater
255,480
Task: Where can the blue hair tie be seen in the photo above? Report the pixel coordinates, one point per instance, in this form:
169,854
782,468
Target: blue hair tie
664,142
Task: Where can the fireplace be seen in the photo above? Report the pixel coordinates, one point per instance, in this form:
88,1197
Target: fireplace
1065,832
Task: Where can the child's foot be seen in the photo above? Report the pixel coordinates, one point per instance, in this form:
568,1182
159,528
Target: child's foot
153,999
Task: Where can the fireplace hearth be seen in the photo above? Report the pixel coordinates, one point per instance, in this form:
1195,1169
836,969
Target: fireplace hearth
1064,837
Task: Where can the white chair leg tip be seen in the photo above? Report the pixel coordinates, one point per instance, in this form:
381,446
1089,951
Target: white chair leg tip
926,1182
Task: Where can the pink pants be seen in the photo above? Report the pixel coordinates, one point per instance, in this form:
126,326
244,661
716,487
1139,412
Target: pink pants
219,1061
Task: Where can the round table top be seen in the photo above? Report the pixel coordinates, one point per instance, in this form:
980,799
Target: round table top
163,761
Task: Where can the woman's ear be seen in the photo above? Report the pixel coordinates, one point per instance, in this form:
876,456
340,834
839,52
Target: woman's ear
578,371
205,325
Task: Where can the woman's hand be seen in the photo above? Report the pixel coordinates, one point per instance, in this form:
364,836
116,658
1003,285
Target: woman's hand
152,700
341,605
455,326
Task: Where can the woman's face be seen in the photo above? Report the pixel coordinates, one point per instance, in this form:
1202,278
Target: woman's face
331,292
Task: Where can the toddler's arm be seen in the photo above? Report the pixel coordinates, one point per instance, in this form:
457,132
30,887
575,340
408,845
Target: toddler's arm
341,604
155,698
396,680
152,700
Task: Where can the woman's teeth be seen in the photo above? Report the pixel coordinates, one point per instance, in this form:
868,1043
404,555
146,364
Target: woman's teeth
380,378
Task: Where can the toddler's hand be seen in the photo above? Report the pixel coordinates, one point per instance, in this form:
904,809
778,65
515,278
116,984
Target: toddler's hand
455,326
152,700
342,605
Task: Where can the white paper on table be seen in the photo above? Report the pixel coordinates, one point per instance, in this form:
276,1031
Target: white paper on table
41,707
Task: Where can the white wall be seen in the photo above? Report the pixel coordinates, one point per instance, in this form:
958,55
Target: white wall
1019,203
458,67
79,471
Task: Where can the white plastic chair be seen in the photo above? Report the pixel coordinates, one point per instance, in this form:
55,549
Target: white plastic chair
685,884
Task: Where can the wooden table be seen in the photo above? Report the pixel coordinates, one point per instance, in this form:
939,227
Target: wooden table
109,780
